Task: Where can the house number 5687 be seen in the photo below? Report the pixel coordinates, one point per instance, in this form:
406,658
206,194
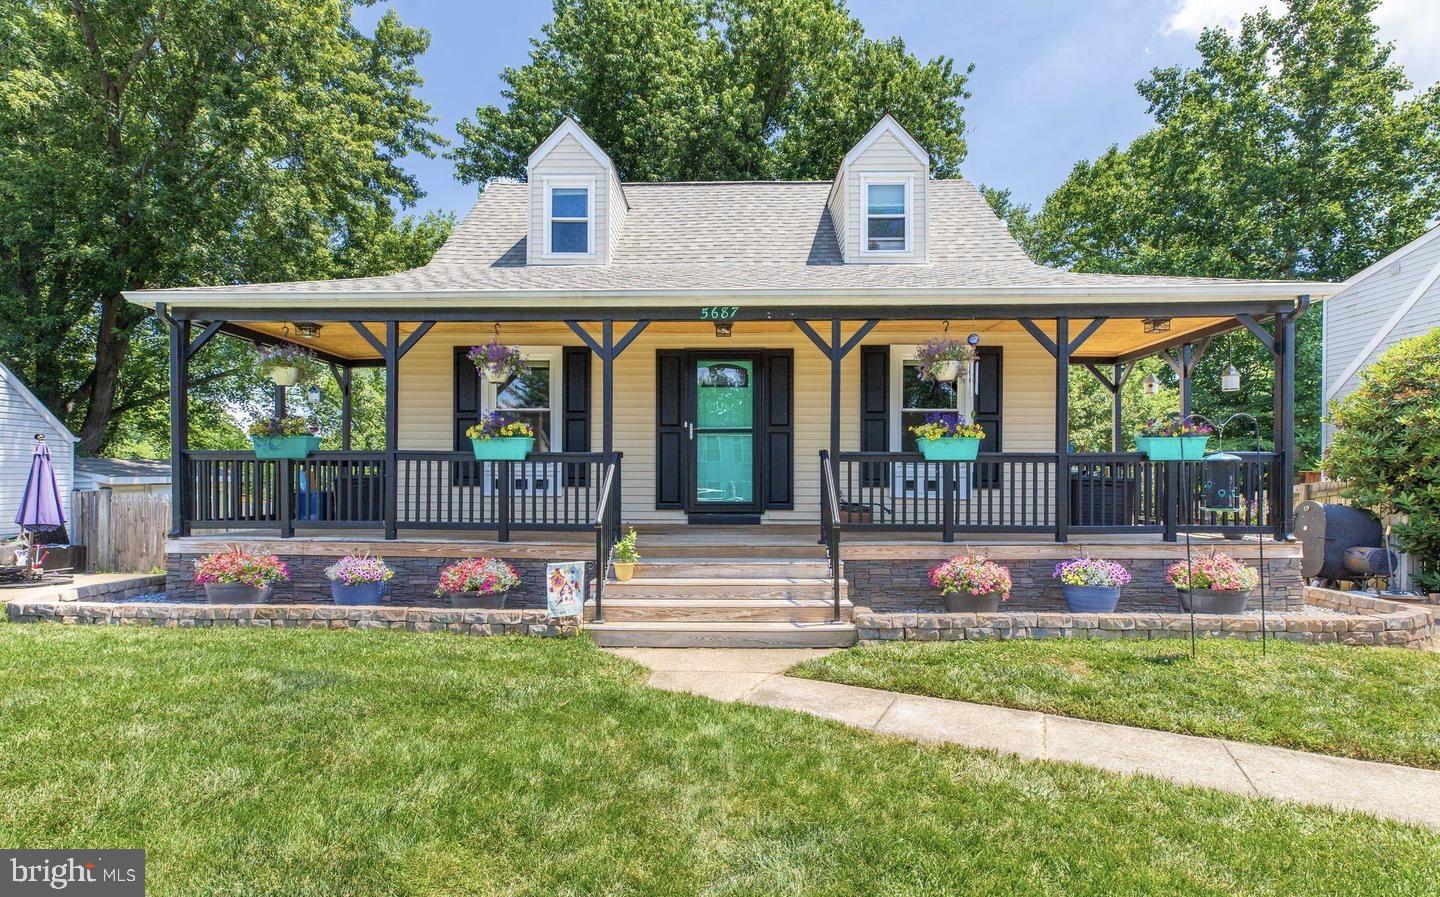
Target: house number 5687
719,312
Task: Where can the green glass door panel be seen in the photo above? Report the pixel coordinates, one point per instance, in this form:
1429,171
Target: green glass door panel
725,432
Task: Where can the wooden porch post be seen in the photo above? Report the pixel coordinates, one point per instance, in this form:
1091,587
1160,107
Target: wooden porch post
179,416
607,385
1117,418
392,428
279,394
836,357
1062,429
1284,396
345,376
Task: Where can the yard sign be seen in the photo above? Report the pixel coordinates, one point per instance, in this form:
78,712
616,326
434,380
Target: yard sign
565,588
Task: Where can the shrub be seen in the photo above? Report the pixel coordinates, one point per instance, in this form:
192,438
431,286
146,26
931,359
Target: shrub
1215,571
484,575
358,569
1386,447
971,575
1091,572
236,565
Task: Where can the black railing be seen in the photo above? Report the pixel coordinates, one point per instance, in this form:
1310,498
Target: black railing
830,526
551,492
606,523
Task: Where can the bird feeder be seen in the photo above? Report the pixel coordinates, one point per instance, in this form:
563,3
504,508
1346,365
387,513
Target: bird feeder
1221,491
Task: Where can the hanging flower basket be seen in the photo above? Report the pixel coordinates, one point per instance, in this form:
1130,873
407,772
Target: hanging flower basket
499,363
944,360
946,436
287,365
283,437
1174,439
497,439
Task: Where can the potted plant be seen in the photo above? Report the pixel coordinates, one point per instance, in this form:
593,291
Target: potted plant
497,439
237,576
1090,585
626,555
287,365
358,579
971,584
498,362
943,360
1174,438
947,436
477,582
1213,583
283,437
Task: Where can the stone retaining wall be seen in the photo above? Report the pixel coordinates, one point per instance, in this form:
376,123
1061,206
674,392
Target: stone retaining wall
293,616
1348,619
413,585
896,585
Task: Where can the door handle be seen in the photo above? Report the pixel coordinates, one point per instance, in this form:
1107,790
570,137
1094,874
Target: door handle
690,428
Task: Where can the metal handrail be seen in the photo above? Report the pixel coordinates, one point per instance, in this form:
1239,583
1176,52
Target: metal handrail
603,529
832,528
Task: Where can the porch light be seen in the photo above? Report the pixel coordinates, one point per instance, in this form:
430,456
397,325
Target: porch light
307,329
1156,325
722,328
1221,492
1230,380
1151,385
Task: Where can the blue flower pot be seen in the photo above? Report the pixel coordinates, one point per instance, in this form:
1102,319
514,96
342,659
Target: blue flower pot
1174,448
503,448
1091,599
291,447
358,594
951,448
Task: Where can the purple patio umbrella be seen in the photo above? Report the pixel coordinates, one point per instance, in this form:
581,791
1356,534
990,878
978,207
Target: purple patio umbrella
41,510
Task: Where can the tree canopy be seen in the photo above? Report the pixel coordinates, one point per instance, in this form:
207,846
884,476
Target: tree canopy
146,143
715,90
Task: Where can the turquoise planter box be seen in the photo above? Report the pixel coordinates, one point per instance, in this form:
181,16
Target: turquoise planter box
292,447
503,448
952,448
1174,448
1142,444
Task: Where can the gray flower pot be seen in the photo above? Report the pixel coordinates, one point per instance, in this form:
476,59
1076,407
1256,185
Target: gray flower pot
492,601
962,603
1211,601
363,593
1091,599
236,593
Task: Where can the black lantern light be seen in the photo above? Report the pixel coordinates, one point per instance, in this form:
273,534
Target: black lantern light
1221,492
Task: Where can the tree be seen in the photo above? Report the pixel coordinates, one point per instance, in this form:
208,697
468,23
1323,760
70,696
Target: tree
1386,446
145,143
715,90
1291,151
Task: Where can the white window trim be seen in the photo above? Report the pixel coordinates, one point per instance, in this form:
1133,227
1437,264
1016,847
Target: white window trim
883,180
546,184
907,476
555,356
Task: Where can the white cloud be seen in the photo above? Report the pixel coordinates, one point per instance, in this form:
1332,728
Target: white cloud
1413,25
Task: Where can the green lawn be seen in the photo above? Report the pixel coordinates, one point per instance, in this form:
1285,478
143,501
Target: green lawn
1374,703
298,763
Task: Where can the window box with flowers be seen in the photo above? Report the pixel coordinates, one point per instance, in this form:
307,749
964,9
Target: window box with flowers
1174,439
283,437
498,362
971,584
1213,583
497,439
947,436
358,579
237,576
944,360
477,583
1090,585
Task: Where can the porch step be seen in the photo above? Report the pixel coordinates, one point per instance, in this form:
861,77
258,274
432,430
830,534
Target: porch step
728,546
614,634
731,610
733,568
731,587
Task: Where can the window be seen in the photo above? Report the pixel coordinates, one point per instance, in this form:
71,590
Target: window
570,230
527,398
885,224
919,398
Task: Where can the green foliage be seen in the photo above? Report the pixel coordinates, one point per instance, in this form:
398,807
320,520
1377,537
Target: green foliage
1292,150
148,145
1386,446
715,90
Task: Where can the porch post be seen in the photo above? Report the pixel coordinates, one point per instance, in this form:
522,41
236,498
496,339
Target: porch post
837,355
1187,355
607,385
279,393
392,428
179,416
1284,395
1117,421
1062,429
345,376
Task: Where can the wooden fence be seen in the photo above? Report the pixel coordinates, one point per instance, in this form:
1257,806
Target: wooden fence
123,530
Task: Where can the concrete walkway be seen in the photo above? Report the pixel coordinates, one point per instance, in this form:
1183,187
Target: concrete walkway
755,676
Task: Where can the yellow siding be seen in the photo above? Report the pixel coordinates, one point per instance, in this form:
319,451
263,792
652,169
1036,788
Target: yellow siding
426,397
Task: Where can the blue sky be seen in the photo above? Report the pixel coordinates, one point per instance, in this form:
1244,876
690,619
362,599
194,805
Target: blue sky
1053,82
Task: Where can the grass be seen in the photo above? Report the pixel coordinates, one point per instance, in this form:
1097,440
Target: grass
304,763
1373,703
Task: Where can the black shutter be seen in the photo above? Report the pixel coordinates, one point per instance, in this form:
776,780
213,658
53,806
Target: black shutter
575,408
874,409
988,411
669,429
779,429
467,397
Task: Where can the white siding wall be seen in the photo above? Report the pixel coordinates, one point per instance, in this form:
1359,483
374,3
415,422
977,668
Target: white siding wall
842,225
426,397
886,156
570,159
1353,317
19,422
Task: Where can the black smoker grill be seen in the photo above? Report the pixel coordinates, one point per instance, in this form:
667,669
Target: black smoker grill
1342,544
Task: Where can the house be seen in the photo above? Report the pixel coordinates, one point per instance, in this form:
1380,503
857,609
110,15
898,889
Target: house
732,367
1396,298
23,417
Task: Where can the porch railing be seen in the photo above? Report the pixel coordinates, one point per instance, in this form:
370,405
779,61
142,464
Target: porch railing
549,492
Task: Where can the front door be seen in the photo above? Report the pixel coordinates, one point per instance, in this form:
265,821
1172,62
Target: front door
722,425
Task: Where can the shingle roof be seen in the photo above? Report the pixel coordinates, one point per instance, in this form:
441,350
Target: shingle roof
731,236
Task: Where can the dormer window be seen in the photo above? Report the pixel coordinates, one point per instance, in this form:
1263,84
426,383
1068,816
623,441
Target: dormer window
569,217
887,216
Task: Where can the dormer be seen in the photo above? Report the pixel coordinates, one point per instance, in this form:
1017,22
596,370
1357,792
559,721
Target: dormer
577,205
879,203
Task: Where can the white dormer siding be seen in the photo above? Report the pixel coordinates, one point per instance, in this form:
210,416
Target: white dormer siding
577,205
879,203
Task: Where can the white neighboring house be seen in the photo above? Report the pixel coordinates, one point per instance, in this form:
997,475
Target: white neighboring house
1396,298
22,416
